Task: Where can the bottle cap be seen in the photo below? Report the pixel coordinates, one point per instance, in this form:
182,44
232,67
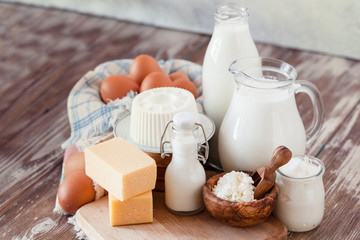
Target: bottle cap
184,120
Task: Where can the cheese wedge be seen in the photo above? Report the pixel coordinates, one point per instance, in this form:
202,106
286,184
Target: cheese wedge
120,168
138,209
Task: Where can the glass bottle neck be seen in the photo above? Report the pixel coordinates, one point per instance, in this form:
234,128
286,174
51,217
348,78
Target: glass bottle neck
184,142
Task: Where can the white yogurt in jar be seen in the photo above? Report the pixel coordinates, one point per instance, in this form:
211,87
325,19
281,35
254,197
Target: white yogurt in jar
300,204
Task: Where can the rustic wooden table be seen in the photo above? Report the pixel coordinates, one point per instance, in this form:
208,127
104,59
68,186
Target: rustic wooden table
44,52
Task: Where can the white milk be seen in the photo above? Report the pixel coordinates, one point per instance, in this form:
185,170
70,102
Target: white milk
227,44
184,176
231,40
300,204
258,123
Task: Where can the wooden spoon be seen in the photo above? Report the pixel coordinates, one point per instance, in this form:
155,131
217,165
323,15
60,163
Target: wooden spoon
264,177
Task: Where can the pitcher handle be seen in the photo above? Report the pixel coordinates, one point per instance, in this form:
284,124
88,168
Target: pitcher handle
303,86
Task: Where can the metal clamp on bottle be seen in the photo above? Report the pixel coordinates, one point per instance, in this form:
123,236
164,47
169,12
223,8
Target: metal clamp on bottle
185,122
202,146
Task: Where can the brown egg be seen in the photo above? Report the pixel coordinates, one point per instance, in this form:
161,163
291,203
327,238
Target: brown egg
155,80
181,80
117,86
75,162
142,66
176,75
75,191
69,151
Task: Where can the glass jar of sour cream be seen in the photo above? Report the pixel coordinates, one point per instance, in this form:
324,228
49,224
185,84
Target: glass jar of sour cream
300,204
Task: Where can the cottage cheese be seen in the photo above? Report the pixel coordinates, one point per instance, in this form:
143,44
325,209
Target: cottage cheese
235,187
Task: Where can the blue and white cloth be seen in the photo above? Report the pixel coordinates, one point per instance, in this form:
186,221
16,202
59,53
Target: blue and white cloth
91,119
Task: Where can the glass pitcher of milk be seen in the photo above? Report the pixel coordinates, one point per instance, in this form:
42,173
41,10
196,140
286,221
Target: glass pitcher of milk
230,40
263,114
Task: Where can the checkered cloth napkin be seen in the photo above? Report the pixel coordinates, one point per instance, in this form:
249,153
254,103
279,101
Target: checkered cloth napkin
91,119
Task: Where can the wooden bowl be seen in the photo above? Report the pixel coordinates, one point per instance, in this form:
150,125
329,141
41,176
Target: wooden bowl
238,214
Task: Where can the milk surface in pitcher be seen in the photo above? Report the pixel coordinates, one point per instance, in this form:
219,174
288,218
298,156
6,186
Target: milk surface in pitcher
260,122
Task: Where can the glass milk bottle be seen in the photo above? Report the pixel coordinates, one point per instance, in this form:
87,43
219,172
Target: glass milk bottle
230,40
184,176
300,204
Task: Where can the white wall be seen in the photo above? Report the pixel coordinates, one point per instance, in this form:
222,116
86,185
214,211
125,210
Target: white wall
328,26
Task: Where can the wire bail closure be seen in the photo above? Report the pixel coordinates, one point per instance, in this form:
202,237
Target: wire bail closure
162,151
204,146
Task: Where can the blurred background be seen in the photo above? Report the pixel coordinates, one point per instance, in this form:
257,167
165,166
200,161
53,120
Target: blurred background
331,27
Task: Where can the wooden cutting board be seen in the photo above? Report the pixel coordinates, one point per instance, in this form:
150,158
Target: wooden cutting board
93,219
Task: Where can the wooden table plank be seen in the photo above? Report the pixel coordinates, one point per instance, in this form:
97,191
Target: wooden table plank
32,217
45,51
339,85
32,156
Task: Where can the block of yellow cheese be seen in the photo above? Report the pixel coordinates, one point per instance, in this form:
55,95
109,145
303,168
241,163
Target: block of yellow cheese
120,168
138,209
